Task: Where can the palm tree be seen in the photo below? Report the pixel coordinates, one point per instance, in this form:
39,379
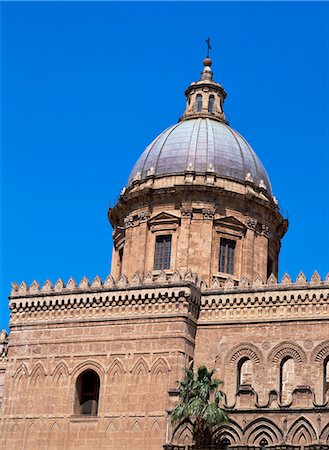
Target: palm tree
199,404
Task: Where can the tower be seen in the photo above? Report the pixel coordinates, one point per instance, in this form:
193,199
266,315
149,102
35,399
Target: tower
198,199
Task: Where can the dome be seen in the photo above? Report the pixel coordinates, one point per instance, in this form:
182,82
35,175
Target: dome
201,145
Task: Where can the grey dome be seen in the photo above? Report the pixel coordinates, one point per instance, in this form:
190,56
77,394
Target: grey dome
200,143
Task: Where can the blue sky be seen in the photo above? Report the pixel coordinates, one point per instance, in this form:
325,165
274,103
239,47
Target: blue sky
87,86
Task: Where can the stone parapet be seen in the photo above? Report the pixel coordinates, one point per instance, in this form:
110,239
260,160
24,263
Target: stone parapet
272,301
159,294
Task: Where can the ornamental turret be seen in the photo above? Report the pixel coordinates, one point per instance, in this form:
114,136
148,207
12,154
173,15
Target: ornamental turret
205,98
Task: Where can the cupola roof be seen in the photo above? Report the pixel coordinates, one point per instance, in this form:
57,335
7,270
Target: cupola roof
202,141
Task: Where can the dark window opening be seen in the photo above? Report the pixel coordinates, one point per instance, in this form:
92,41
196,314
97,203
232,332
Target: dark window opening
224,444
226,256
87,393
199,103
120,259
211,103
263,443
269,266
326,377
162,252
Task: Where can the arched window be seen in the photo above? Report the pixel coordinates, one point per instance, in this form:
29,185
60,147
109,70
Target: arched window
211,103
287,379
244,372
87,393
326,377
199,103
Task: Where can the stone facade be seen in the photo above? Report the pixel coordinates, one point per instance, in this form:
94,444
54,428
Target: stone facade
139,335
96,364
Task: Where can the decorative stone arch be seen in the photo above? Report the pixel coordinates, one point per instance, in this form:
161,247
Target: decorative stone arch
136,426
231,431
160,363
20,372
279,352
55,435
244,349
182,434
116,368
324,436
140,364
301,432
261,428
111,428
37,371
59,370
155,427
89,365
320,352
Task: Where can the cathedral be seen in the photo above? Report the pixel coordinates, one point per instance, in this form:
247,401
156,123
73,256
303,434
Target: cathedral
194,281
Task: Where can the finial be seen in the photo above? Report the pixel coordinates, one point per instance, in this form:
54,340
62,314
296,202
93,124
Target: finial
207,61
208,47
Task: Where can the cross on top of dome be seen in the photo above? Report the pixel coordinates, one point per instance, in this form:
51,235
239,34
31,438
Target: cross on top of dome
205,98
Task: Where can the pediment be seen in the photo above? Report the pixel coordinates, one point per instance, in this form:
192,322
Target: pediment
163,217
164,220
230,222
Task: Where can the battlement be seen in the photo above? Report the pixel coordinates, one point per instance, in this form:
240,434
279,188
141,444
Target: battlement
162,277
268,302
150,279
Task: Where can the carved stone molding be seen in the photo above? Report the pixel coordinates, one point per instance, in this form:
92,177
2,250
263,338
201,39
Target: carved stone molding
144,216
128,221
265,231
186,212
208,213
251,223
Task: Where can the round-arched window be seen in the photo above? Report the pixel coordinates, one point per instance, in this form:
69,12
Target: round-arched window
199,103
87,393
211,103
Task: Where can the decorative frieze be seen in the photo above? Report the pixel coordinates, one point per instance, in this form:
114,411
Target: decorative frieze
186,212
208,213
265,230
251,223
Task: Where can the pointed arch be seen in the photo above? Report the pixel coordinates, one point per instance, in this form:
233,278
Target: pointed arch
33,435
160,364
55,436
89,364
301,429
61,370
111,428
38,373
183,434
136,427
231,431
140,370
21,374
155,427
263,428
116,370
